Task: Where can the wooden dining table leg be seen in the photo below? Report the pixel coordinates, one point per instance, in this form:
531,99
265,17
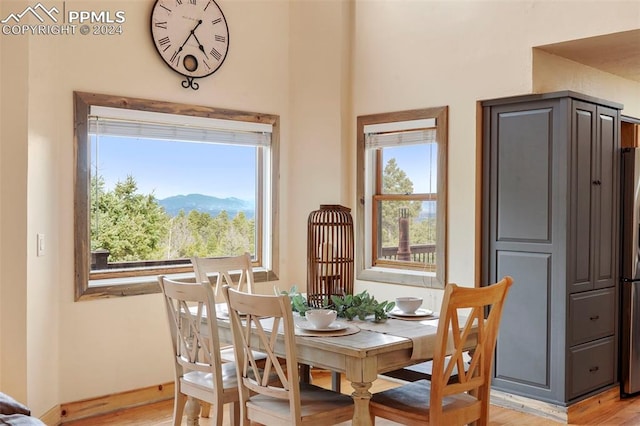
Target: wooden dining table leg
361,397
304,373
361,372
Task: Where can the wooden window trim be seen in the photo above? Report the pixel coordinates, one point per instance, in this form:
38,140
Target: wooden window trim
402,275
144,281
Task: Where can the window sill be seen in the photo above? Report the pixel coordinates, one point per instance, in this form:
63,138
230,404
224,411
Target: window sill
147,284
400,276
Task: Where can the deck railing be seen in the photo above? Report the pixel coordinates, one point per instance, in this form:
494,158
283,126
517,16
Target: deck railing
420,253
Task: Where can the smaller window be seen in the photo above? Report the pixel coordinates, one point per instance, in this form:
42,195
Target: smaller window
402,181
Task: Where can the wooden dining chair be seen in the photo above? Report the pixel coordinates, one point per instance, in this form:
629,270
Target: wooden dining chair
290,402
200,374
461,401
234,271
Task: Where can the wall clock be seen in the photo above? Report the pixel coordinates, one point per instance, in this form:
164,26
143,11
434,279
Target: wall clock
191,36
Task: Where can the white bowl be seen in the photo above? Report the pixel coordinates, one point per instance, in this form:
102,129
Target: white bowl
321,318
408,305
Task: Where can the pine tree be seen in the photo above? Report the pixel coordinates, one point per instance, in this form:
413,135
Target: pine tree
132,226
395,181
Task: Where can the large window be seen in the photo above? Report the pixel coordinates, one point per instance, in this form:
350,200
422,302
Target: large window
402,193
158,183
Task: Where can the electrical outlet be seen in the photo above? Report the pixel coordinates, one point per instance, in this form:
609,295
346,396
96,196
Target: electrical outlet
40,245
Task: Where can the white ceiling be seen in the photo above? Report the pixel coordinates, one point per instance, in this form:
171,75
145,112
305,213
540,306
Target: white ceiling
617,53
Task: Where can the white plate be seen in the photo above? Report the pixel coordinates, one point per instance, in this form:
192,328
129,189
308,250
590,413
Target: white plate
336,326
418,313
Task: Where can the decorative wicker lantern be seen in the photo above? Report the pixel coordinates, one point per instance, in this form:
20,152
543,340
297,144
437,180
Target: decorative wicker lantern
330,253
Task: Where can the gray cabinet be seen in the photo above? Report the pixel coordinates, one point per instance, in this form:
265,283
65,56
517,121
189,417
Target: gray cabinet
550,220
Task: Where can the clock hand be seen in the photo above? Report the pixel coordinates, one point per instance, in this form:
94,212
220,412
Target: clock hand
200,46
191,33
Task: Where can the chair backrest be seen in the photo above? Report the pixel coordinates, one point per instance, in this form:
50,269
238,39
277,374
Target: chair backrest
253,317
481,331
225,269
194,338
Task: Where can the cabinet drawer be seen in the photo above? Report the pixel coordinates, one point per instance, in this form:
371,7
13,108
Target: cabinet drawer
591,315
591,366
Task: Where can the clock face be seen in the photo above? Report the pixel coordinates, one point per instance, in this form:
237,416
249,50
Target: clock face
191,35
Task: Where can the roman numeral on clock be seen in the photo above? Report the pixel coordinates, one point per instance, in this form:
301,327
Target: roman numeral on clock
164,41
216,54
175,58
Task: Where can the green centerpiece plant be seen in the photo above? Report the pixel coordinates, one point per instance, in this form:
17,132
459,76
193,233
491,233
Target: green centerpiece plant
349,306
299,303
361,306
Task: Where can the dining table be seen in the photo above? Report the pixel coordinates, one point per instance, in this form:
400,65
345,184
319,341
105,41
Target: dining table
361,350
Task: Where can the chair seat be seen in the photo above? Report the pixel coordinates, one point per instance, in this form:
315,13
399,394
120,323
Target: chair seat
421,371
204,380
314,401
412,400
227,354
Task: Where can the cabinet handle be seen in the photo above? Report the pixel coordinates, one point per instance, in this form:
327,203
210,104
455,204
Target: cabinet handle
595,317
596,182
594,369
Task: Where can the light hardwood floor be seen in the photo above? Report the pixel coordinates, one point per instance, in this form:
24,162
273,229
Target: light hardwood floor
624,412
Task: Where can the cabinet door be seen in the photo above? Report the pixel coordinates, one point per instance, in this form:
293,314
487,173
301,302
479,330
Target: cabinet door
594,186
526,168
605,198
583,133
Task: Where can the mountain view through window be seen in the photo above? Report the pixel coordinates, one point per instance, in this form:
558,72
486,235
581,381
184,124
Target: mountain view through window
163,200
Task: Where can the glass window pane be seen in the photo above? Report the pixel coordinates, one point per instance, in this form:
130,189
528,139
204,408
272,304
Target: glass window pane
154,200
407,232
401,176
410,169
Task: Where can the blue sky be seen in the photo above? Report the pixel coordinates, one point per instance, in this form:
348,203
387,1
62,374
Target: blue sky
412,159
168,168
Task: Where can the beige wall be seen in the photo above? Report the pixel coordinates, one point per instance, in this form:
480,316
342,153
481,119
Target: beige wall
113,345
552,73
320,113
414,54
317,64
14,62
63,351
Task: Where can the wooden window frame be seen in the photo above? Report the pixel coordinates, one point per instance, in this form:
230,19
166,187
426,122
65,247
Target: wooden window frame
368,267
137,281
